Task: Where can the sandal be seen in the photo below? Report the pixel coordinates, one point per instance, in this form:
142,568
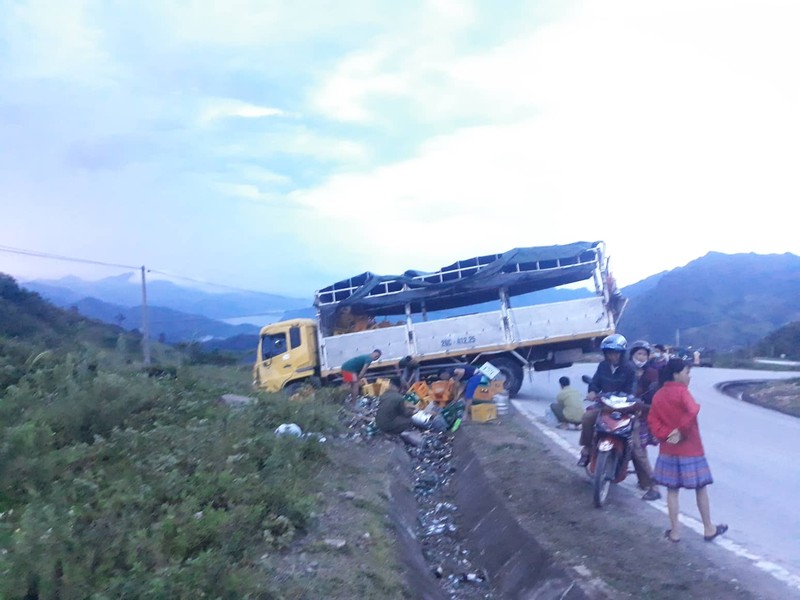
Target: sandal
651,495
670,538
720,530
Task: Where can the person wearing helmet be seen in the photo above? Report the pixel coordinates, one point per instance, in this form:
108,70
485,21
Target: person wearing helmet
613,374
646,378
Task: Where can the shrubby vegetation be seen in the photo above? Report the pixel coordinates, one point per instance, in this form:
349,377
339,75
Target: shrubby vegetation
783,342
116,484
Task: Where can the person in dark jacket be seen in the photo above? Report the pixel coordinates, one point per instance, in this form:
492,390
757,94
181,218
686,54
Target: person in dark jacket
613,374
646,383
408,369
394,415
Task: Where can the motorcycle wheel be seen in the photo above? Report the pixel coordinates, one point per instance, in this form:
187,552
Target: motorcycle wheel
605,468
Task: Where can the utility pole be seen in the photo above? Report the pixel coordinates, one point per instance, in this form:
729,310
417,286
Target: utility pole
145,328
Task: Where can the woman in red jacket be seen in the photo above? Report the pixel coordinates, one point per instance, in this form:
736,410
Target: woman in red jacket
681,462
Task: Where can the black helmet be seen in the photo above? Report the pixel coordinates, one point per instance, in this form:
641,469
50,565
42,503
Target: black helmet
640,344
615,342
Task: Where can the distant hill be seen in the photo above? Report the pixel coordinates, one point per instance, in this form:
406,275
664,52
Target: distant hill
642,287
720,301
176,313
126,290
165,324
27,317
782,343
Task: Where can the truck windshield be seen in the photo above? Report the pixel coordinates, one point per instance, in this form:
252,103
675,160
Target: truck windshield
272,345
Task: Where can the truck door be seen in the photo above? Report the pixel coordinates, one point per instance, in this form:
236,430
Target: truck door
302,352
273,349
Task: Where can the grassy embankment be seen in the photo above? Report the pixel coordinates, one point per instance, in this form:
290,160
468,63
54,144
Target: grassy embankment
117,485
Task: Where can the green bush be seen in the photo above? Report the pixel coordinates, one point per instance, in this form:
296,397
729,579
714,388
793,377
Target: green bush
120,485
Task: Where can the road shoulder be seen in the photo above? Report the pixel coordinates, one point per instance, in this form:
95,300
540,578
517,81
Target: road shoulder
622,544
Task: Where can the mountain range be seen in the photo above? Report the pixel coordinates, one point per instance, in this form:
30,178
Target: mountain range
720,301
175,313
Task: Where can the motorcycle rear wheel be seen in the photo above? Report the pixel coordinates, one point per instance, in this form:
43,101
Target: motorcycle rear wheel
605,469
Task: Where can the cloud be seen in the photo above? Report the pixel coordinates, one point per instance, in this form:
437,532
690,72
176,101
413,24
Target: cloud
57,40
225,108
597,128
106,153
399,135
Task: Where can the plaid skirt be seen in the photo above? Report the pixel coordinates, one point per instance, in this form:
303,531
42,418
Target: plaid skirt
690,472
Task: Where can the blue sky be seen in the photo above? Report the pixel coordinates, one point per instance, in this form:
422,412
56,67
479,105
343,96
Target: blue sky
280,146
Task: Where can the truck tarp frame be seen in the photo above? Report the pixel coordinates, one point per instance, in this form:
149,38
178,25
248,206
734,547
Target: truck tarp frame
464,283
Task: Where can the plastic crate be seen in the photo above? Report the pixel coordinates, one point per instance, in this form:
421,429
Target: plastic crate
483,412
442,391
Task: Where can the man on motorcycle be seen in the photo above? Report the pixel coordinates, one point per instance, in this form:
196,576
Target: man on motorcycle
646,384
613,374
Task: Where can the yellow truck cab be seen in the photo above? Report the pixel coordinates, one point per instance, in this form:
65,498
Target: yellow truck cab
287,353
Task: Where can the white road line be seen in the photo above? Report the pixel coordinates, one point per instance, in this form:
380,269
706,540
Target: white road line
771,568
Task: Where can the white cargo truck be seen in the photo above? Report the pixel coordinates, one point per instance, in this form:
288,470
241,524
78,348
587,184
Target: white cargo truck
394,314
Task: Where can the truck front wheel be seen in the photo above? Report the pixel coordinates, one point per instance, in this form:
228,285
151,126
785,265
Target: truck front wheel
513,373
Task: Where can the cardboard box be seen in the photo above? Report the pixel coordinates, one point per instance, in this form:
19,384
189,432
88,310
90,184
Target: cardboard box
489,370
483,412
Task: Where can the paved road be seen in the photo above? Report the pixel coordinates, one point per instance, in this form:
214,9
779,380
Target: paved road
753,453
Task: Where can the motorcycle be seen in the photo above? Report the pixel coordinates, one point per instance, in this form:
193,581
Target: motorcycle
611,446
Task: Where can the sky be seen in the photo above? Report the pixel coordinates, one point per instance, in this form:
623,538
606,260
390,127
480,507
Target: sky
280,146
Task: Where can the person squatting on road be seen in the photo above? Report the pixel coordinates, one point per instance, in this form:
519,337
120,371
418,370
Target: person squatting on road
568,407
613,374
646,383
354,369
394,414
681,460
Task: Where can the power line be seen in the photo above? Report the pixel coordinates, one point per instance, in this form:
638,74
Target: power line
200,281
65,258
51,256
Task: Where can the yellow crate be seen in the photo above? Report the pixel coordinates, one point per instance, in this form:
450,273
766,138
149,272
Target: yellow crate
381,385
482,392
376,388
483,412
421,389
497,386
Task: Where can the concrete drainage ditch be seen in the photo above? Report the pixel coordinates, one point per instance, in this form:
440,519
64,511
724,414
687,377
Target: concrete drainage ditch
457,538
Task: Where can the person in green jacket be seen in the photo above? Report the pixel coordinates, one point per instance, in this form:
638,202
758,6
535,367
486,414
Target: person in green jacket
568,406
394,414
354,369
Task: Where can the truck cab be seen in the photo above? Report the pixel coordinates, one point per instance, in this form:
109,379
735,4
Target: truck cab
286,354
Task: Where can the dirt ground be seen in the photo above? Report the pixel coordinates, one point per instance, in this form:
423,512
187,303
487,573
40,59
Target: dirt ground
622,544
353,549
350,550
782,396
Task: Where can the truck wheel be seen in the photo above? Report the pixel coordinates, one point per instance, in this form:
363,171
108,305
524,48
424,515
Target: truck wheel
513,373
294,387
